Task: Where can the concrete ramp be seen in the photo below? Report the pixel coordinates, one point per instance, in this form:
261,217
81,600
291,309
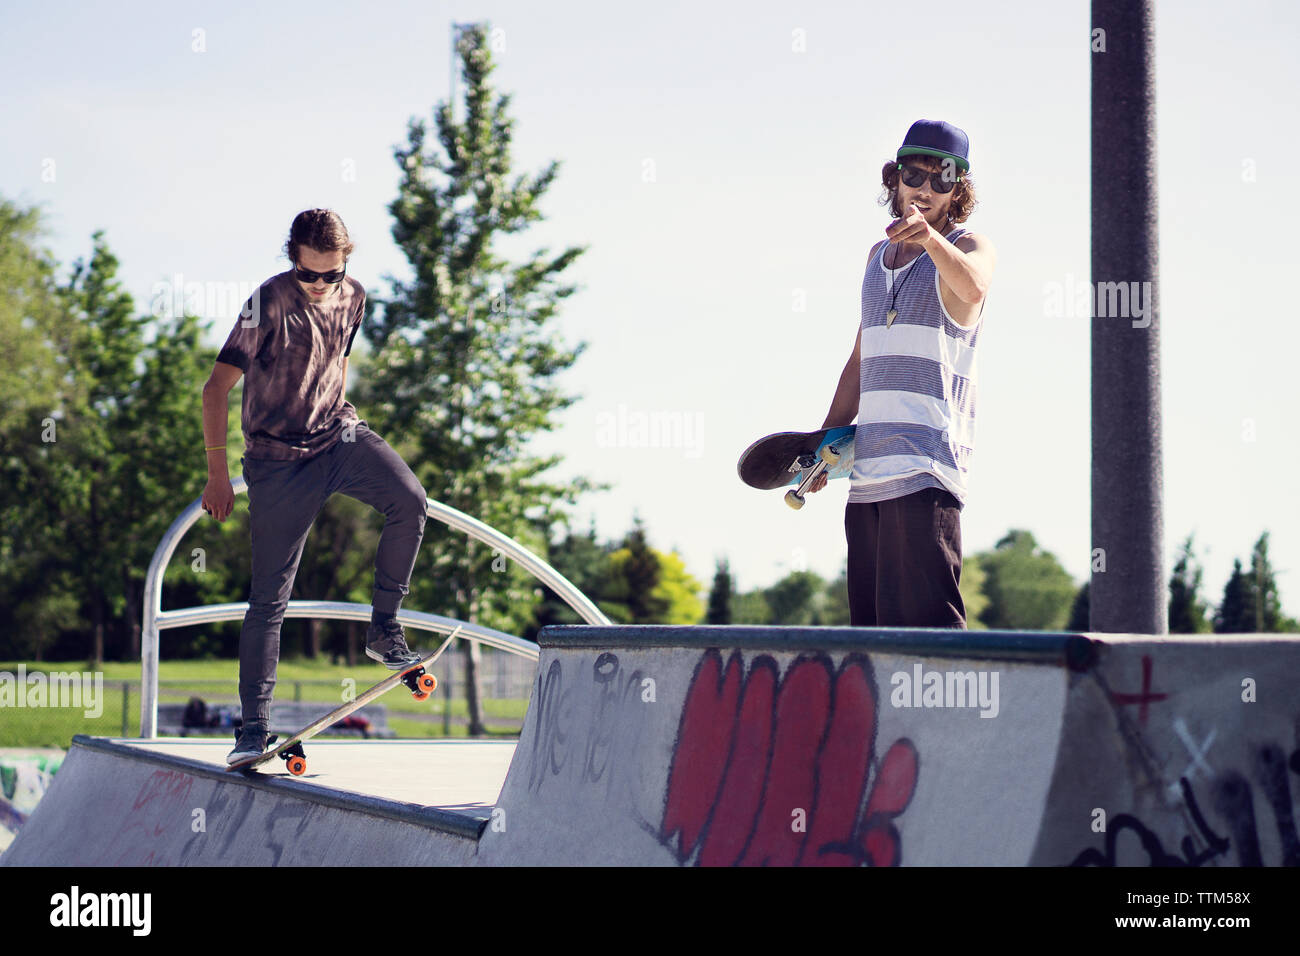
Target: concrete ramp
723,746
768,746
119,803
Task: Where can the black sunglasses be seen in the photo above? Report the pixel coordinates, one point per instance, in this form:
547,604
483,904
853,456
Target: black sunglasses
913,176
306,275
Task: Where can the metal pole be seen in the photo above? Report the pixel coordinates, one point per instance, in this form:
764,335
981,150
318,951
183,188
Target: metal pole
1127,592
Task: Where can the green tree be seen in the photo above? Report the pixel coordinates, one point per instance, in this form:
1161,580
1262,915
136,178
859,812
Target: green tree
637,571
1187,612
751,607
1236,612
720,594
32,321
1027,588
835,606
102,471
1081,610
1267,603
465,358
88,466
37,587
678,590
797,599
971,587
585,562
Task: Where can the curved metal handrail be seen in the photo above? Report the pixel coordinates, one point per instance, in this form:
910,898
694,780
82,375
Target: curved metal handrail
155,619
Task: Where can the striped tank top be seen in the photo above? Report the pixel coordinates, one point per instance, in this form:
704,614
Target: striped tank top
916,413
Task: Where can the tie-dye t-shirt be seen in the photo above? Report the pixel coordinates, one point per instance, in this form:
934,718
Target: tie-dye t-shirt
291,352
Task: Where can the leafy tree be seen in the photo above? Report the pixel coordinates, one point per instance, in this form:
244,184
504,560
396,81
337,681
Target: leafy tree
971,587
1187,612
464,356
835,606
36,584
102,468
678,591
751,607
720,594
795,599
1027,588
32,321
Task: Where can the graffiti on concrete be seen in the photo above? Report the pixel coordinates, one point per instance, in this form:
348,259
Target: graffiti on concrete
1157,855
613,730
162,804
23,781
772,769
1144,697
1233,800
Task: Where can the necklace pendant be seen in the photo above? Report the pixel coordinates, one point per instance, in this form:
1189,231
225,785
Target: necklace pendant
890,316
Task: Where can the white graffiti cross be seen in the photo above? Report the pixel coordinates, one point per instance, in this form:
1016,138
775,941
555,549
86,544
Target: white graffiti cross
1198,753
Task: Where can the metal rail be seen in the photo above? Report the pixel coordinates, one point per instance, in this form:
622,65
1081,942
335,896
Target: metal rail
155,619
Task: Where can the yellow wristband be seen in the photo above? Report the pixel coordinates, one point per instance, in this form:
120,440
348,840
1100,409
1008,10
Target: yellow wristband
214,447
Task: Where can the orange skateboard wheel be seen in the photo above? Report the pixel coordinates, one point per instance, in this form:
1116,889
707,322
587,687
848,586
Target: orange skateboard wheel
297,766
428,683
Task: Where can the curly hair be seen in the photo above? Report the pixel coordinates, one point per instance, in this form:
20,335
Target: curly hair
319,229
963,194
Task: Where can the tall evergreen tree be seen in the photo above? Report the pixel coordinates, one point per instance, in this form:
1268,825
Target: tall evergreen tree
638,569
1266,602
1187,612
585,562
720,594
1236,613
1081,611
465,356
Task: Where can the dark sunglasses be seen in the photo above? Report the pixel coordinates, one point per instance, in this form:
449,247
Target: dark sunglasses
306,275
913,176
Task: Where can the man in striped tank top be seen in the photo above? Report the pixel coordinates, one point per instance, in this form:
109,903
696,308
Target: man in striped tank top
911,382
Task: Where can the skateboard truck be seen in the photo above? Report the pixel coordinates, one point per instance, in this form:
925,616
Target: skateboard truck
826,458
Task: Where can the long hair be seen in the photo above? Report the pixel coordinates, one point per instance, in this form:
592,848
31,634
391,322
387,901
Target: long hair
963,194
319,229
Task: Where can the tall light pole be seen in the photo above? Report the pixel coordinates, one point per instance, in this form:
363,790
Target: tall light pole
1127,592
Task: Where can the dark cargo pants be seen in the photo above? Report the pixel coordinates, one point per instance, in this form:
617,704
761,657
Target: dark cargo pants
284,498
905,561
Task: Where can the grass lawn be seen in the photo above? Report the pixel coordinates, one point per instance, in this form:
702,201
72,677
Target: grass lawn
216,682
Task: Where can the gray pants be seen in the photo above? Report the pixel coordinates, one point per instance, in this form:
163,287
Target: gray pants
284,498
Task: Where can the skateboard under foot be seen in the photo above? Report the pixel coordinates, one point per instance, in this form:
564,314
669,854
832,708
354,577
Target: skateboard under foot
417,679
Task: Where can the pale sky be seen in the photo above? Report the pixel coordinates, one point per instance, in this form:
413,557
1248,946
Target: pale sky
722,162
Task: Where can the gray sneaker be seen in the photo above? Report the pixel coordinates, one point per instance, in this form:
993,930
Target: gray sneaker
250,741
386,643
